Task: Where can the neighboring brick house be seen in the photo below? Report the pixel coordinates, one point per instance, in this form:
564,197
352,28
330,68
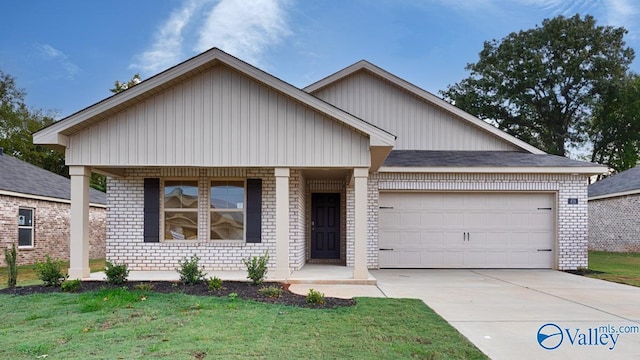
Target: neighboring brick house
217,158
35,213
614,213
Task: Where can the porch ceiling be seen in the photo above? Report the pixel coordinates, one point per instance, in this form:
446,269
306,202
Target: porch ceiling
325,174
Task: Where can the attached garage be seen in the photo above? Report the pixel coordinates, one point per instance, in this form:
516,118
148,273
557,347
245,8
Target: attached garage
467,229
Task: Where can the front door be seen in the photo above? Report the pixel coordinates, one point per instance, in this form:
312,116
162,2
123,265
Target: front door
325,226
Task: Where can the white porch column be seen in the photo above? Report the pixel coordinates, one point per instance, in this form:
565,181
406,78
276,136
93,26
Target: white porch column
282,270
79,242
360,270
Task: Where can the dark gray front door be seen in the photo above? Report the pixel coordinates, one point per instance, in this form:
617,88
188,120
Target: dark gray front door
325,226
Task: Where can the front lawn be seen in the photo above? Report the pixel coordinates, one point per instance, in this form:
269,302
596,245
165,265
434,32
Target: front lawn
121,324
617,267
27,274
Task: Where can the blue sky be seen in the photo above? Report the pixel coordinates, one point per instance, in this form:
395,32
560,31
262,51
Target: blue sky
67,54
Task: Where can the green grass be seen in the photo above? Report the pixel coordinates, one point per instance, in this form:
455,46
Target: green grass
121,324
27,274
617,267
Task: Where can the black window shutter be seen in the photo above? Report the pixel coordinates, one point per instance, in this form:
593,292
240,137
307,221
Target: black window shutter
254,210
151,210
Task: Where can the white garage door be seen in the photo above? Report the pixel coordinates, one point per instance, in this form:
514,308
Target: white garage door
466,230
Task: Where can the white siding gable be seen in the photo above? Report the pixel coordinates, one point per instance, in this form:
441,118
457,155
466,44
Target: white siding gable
418,124
219,118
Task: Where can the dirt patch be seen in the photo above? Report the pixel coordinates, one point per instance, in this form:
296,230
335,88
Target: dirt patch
244,290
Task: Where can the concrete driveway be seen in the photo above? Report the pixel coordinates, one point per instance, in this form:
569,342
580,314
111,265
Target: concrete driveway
503,311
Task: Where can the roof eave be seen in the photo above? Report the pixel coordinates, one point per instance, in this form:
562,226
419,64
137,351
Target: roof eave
586,170
616,194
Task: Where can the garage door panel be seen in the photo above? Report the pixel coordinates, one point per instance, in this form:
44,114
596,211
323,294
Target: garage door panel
410,218
481,230
431,218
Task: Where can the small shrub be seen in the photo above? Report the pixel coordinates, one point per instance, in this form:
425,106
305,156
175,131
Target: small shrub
11,257
272,291
315,297
50,272
233,296
257,268
190,273
215,283
71,285
116,273
144,287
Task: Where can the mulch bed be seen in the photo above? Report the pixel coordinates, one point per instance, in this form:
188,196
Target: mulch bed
244,290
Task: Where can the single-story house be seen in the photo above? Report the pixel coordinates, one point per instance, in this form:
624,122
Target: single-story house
614,212
35,213
217,158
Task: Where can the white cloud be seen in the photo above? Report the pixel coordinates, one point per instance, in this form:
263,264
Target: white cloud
622,12
48,52
166,49
243,28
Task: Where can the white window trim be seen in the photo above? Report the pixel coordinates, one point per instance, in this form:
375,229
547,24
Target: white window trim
243,210
163,210
30,227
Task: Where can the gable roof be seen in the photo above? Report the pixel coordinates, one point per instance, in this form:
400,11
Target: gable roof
485,161
624,183
18,178
56,135
364,65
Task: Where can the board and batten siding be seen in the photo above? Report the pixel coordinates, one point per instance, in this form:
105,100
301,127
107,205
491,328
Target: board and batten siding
418,124
219,118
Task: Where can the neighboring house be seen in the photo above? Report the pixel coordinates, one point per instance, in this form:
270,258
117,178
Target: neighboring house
614,212
35,213
217,158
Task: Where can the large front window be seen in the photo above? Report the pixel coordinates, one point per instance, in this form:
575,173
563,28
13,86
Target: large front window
227,210
181,210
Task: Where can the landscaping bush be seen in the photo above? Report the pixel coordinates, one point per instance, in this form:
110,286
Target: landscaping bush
272,291
11,258
116,273
50,271
190,272
215,283
315,297
257,268
71,285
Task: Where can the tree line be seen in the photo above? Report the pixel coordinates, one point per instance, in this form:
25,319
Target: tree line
563,85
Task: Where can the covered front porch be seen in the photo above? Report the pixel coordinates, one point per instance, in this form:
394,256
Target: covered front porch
287,224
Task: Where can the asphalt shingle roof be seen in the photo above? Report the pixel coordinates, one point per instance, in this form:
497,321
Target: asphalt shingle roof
628,180
22,177
428,158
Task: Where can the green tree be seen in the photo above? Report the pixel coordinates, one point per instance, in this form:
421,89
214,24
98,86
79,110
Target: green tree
615,126
541,85
122,86
18,123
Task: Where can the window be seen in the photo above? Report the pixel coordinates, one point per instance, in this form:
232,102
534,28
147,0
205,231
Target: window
25,227
180,210
227,210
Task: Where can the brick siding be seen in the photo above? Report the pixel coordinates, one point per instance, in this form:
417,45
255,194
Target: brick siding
614,224
125,223
51,233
